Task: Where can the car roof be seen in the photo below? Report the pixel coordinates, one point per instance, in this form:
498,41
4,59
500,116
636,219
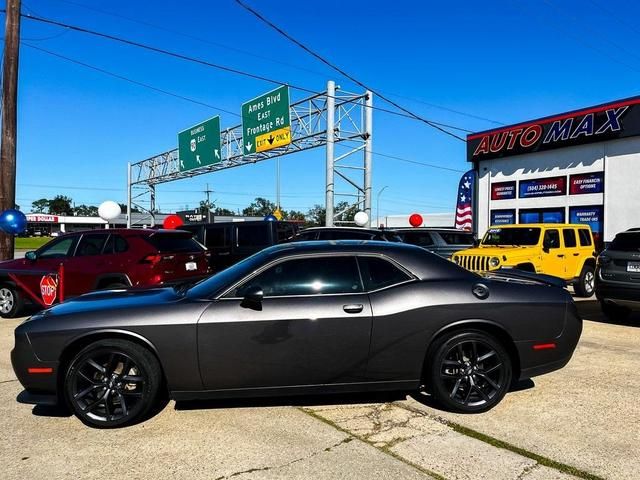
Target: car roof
541,225
431,229
126,231
349,229
423,264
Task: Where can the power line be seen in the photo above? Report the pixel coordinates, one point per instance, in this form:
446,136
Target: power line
269,59
342,72
198,102
615,17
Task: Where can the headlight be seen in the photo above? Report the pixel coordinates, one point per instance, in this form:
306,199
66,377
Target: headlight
494,262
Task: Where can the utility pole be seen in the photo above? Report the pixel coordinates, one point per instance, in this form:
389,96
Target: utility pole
208,192
9,120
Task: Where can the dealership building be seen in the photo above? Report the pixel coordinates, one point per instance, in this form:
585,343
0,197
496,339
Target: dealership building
576,167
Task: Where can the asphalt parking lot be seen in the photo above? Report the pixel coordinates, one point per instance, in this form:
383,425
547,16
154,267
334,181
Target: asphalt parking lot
582,421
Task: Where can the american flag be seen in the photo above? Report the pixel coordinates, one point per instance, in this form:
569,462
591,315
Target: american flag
464,206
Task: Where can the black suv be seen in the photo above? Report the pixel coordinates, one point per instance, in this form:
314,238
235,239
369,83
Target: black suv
230,242
618,275
346,233
442,241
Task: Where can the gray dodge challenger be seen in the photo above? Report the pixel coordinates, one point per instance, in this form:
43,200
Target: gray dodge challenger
300,318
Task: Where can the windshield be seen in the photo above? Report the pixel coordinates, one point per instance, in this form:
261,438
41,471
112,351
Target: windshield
512,236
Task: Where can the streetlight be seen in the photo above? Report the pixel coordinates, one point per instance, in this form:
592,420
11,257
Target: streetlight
378,205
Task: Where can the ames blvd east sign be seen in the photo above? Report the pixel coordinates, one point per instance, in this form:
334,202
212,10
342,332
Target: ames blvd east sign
265,121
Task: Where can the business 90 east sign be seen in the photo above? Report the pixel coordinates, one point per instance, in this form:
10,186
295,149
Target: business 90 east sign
266,123
199,146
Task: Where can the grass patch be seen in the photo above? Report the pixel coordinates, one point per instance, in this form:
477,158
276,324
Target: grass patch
31,243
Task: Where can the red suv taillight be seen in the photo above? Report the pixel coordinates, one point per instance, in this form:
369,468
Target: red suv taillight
152,259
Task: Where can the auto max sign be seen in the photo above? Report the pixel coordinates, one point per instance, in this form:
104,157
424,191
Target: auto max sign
604,122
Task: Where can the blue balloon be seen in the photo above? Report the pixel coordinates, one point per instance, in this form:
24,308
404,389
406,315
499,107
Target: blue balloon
13,221
270,218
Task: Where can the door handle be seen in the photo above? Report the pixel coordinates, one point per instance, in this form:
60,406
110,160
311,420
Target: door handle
353,308
576,254
561,255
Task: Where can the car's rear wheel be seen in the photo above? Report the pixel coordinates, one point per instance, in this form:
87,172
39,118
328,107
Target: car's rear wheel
11,301
470,371
111,383
585,285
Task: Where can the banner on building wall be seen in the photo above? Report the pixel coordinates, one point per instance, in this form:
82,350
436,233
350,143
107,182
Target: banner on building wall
503,217
612,120
503,191
591,215
464,203
586,183
543,187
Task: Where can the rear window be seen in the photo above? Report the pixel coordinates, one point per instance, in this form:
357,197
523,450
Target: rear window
455,238
174,243
585,237
285,232
422,239
218,237
626,242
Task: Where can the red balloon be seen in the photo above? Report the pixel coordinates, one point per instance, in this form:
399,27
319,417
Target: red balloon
172,222
415,220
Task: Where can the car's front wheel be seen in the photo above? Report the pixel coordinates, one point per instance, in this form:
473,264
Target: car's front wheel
470,371
112,383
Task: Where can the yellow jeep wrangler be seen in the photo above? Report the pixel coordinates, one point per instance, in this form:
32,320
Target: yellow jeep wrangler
566,251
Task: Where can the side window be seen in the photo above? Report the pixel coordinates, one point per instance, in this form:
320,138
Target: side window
379,273
116,244
218,237
307,276
569,237
551,239
91,245
585,238
422,239
284,231
307,236
252,235
60,249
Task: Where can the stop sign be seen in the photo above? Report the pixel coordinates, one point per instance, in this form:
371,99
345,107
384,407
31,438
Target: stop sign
48,289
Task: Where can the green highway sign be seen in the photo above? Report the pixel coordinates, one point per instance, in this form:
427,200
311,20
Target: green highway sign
265,121
199,145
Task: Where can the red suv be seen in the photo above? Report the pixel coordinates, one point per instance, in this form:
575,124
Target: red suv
103,259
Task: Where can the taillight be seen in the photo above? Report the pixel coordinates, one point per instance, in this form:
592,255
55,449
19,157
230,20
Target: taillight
151,259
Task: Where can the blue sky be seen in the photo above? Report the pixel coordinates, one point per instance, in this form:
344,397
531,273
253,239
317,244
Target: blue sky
504,61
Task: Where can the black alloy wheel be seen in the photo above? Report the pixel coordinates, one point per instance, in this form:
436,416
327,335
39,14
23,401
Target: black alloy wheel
470,371
112,383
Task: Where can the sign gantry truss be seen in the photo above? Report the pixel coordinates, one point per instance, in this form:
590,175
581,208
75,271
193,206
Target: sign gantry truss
323,119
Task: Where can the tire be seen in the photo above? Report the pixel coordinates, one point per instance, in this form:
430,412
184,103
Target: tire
614,312
585,286
11,301
112,383
469,371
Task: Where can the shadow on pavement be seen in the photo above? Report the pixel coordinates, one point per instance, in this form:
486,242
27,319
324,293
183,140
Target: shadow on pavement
590,310
294,401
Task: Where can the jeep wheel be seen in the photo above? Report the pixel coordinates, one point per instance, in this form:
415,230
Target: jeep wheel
11,301
584,287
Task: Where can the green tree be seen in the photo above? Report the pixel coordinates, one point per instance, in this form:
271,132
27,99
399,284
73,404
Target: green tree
85,211
61,205
316,216
261,207
40,206
223,211
294,215
123,208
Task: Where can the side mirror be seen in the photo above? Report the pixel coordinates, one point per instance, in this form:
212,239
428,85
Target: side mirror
253,297
33,256
545,248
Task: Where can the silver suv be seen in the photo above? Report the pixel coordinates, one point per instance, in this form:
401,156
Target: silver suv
618,275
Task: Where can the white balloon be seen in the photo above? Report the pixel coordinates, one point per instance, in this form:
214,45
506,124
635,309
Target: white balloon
361,219
109,210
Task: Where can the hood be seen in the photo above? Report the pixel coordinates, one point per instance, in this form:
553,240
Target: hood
499,250
511,275
115,300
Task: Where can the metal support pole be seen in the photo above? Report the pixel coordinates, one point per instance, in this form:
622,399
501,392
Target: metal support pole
278,183
368,131
152,206
129,195
331,105
378,207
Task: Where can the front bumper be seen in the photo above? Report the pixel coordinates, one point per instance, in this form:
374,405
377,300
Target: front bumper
623,294
39,378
